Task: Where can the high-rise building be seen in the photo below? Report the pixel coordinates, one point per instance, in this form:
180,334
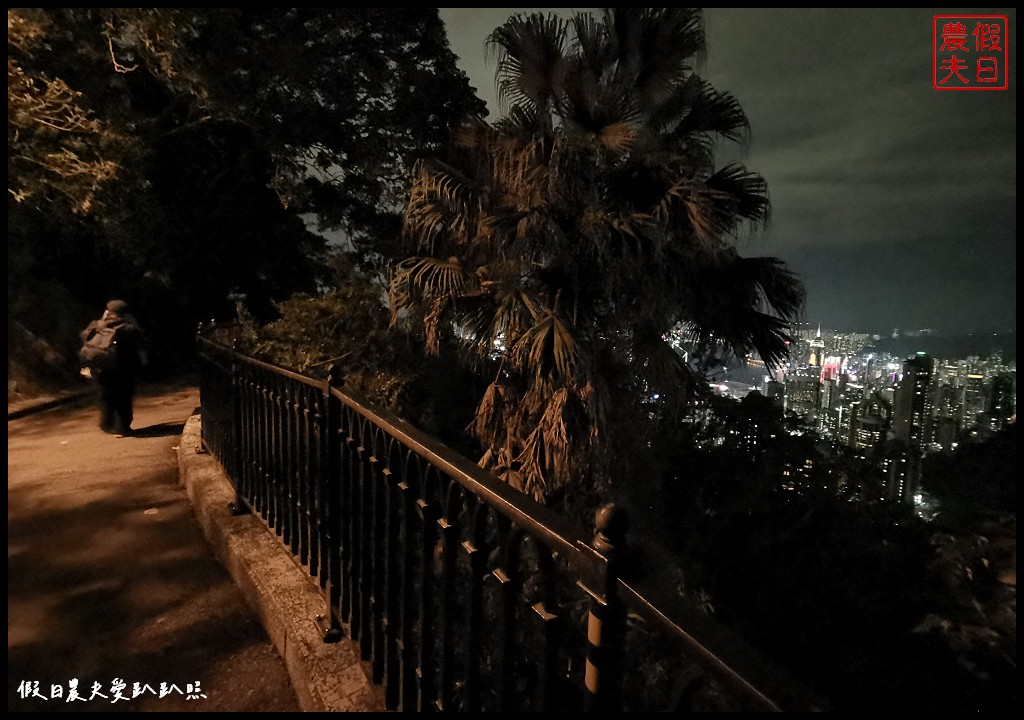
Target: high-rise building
951,373
896,466
816,357
944,432
912,407
774,391
850,396
831,368
870,422
974,399
912,413
1002,403
828,416
948,411
803,394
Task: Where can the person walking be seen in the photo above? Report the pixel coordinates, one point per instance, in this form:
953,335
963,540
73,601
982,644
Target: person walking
112,354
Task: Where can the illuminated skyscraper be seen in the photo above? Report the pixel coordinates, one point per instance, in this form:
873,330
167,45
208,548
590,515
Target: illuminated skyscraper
1002,403
949,401
803,394
869,422
912,413
974,399
817,350
912,409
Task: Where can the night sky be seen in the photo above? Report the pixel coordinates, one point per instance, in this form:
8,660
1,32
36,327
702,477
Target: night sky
894,202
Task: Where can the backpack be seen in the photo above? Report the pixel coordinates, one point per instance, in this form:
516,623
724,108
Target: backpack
100,351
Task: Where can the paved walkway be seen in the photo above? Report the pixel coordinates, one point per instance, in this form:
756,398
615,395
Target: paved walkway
110,578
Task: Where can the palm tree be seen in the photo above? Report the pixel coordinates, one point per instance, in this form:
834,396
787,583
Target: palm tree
565,240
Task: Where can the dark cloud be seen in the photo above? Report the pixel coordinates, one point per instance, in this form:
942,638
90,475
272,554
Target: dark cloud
895,202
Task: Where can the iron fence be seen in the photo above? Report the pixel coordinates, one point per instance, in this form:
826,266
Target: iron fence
462,593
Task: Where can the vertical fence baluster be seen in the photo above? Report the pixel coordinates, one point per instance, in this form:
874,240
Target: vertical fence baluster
268,454
280,474
409,488
364,511
393,582
508,578
238,506
267,497
331,537
284,464
307,455
475,549
349,513
428,513
245,452
546,611
287,474
252,408
448,530
317,477
377,472
298,503
271,458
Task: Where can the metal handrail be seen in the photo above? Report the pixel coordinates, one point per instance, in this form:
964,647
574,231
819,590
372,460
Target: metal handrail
404,534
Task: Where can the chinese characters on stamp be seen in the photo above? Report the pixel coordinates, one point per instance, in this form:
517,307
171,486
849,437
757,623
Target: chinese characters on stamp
969,52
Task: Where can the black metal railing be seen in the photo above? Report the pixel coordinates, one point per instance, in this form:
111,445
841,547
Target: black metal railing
462,593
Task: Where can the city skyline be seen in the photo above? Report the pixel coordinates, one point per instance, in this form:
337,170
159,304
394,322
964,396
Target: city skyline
892,201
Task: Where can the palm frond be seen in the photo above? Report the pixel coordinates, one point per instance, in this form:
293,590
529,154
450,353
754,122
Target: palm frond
520,123
664,117
593,107
443,203
489,421
619,230
778,287
590,45
743,330
546,454
715,207
709,112
617,137
441,278
432,325
500,315
547,460
523,173
547,350
476,134
428,279
744,193
768,336
531,65
663,370
708,212
701,208
655,47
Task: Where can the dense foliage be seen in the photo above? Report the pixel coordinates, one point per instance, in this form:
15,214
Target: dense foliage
177,157
344,334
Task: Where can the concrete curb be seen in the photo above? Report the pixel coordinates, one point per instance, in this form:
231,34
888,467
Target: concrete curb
326,677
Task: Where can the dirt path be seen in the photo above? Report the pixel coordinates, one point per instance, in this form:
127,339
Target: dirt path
110,578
